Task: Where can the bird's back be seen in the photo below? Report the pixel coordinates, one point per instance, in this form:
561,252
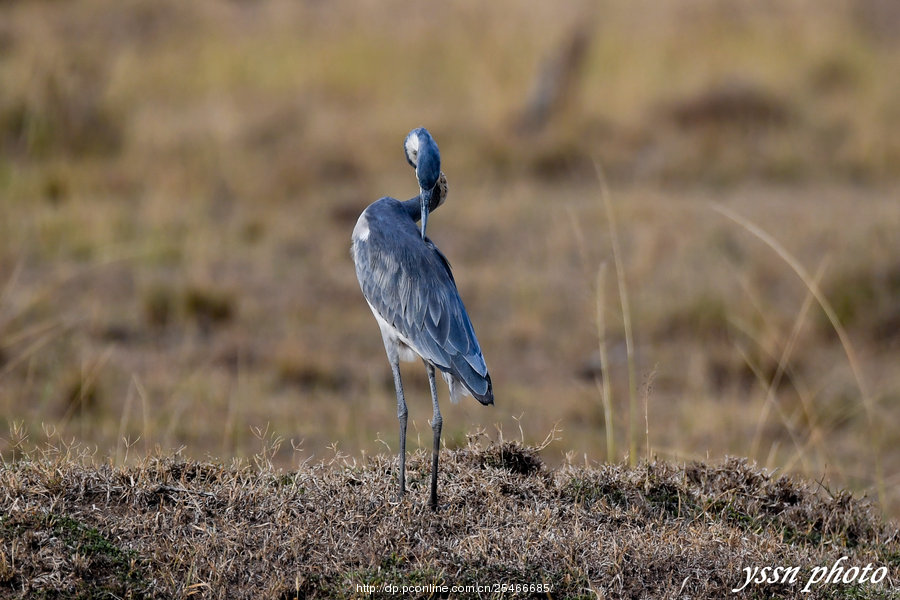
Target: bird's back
408,283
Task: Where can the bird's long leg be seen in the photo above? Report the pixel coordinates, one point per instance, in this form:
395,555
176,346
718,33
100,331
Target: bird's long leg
436,422
401,415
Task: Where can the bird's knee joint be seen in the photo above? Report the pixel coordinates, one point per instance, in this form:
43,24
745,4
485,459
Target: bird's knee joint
402,413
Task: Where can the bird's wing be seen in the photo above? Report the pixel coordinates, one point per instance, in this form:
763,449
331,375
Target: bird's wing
410,284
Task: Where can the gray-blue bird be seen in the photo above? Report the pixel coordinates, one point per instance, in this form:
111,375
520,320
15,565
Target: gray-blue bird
409,287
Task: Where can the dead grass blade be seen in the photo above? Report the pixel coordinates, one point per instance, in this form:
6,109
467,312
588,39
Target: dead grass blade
809,411
604,385
626,313
846,344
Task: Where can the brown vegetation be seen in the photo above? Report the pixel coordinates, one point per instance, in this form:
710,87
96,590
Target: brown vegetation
178,183
171,527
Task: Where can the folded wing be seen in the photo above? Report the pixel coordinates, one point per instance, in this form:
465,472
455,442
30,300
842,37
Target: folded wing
411,286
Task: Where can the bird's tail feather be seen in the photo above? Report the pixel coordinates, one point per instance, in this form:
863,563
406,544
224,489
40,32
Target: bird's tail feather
458,389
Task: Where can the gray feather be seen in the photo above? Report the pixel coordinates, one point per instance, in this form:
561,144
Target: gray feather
408,281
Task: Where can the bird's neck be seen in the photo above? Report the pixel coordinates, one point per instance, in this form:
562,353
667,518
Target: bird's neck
413,206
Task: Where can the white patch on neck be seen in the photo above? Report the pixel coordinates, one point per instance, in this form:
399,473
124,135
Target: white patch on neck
412,148
361,231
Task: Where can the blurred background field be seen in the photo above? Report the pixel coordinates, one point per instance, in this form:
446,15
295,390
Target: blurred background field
178,184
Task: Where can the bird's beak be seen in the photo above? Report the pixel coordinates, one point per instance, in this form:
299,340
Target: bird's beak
425,198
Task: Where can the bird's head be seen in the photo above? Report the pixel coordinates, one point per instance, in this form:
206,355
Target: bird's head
423,155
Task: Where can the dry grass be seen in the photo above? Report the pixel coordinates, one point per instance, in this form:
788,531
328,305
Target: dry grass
178,183
172,527
713,312
172,98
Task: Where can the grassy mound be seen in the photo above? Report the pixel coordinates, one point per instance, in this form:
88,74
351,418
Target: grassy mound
169,527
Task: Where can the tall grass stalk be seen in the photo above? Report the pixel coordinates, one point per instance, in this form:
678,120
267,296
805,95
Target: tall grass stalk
604,383
604,386
145,412
846,344
785,419
121,443
626,314
783,361
648,390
